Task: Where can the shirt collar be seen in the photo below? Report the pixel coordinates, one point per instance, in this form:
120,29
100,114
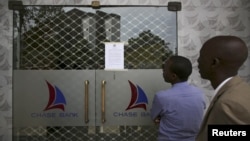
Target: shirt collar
222,84
180,83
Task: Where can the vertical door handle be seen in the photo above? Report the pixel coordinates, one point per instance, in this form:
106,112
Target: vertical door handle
86,101
103,100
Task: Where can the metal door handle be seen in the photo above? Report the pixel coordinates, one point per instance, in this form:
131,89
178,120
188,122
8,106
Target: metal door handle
86,101
103,100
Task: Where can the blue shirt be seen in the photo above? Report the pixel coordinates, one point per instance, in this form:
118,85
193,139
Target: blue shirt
181,110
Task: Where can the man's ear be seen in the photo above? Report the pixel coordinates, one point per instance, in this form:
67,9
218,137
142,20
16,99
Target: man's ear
216,62
174,76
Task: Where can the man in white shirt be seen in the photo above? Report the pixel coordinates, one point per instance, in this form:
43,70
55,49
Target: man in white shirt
219,61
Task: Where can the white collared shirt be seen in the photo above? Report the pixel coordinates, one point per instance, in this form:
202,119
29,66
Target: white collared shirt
222,84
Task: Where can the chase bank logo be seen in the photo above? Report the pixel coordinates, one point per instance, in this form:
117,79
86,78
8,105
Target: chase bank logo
56,98
138,97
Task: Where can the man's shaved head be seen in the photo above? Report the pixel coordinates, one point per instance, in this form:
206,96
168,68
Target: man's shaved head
221,57
230,49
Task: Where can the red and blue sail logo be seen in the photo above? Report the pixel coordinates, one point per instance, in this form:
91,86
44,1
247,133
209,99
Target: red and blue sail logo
138,98
56,98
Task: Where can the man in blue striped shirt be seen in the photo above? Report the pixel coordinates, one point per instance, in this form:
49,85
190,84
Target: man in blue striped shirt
178,110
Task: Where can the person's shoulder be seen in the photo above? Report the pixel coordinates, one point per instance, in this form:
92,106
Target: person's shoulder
164,93
238,84
198,92
161,92
245,83
195,88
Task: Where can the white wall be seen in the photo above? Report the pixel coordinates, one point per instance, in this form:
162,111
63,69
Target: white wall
197,21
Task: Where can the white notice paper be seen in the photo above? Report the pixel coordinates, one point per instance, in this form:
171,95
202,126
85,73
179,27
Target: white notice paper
114,55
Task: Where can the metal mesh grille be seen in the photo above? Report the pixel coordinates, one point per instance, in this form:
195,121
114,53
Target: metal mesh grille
74,38
124,133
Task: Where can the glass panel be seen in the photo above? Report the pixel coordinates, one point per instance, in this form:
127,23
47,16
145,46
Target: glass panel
52,104
128,96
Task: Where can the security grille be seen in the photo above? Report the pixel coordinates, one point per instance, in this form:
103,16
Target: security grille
57,38
73,38
125,133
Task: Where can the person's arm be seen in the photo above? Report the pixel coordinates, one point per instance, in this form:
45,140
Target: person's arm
156,110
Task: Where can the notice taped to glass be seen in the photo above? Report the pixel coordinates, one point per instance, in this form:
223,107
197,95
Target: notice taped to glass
114,55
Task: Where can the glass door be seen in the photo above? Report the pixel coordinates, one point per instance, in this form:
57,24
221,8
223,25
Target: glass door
125,97
49,102
61,89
